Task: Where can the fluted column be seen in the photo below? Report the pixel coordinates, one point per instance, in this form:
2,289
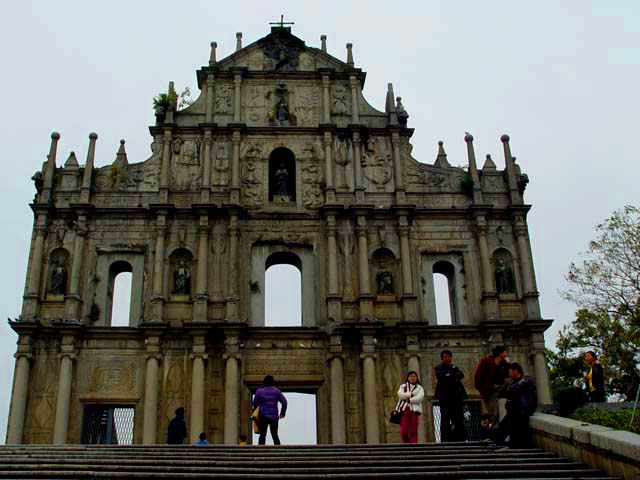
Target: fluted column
150,419
232,299
526,269
165,166
355,117
158,270
237,96
326,105
15,429
231,390
210,99
489,296
371,415
72,301
363,270
67,355
198,356
202,290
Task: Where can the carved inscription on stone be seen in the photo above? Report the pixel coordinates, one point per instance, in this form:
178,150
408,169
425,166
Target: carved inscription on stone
111,378
283,365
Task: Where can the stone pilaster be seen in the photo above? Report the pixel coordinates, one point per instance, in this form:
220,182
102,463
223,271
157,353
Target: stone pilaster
232,298
338,419
31,298
235,167
157,299
397,168
150,419
526,268
165,166
491,308
202,276
326,105
366,299
357,148
231,389
409,298
198,357
333,297
371,414
205,189
67,356
237,97
211,99
73,300
328,167
23,356
355,117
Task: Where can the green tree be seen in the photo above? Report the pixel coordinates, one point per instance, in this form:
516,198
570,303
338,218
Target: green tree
606,287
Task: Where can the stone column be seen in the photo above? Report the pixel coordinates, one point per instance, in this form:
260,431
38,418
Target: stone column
346,245
371,415
72,301
489,295
205,189
211,99
158,270
357,146
338,419
219,247
542,378
150,419
326,105
409,298
202,276
198,356
355,117
237,96
235,167
397,166
526,269
413,364
165,166
32,295
363,270
67,355
15,429
232,299
333,295
231,390
328,167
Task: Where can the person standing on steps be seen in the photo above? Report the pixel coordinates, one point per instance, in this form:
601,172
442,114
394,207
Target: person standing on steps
594,379
450,393
267,398
410,395
177,428
490,374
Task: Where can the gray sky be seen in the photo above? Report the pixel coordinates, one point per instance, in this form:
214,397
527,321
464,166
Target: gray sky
561,78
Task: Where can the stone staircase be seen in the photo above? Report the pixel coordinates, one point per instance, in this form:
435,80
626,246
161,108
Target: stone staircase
391,461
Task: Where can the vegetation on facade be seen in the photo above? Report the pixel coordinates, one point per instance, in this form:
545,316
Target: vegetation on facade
616,419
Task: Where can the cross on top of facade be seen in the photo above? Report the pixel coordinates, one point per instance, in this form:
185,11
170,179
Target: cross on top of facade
281,23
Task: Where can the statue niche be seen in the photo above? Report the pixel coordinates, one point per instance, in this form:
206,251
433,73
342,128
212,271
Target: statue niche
384,263
503,265
181,261
58,272
282,175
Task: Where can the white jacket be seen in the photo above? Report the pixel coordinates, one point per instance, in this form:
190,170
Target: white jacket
414,402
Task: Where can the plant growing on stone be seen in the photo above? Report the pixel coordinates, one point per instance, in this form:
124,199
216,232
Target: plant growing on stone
466,184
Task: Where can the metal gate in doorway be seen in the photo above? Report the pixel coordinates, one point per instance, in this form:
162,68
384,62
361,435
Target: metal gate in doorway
108,425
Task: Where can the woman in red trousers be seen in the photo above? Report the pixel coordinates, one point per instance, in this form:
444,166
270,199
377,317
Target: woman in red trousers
411,395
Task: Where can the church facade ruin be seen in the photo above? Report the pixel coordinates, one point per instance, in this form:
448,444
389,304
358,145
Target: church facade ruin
280,160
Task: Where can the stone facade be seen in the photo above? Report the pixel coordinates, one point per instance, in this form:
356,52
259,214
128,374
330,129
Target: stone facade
279,160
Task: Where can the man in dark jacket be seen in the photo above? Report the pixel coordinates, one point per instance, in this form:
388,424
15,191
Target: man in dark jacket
450,393
522,400
490,374
594,379
177,428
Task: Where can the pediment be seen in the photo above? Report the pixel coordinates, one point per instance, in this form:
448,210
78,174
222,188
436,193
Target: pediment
280,51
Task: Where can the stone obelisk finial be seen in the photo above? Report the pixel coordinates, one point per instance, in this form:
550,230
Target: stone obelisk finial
50,168
238,41
323,43
88,169
350,54
390,106
212,56
473,169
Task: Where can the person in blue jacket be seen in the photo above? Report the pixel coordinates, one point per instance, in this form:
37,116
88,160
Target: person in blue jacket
267,398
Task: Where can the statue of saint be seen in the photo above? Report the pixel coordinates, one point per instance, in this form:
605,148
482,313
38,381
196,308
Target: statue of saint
282,177
403,116
58,280
182,279
384,279
504,278
282,110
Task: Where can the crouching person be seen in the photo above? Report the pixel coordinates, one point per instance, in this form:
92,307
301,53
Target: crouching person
522,400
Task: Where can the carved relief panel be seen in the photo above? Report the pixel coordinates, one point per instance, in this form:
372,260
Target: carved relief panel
186,169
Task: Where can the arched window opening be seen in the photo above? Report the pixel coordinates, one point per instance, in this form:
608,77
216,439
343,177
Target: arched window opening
282,175
119,301
445,293
283,291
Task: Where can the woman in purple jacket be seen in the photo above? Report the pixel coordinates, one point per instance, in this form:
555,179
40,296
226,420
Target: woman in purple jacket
267,399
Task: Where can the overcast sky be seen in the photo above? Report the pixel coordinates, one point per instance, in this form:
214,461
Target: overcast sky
561,78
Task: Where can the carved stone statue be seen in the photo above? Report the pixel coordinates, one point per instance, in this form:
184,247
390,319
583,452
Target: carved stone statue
504,278
58,280
282,111
384,279
403,116
340,101
282,177
182,279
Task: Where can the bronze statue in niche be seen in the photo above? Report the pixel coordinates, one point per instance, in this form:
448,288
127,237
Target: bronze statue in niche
504,277
384,280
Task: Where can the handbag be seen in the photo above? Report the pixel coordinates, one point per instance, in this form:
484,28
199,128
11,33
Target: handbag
396,414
